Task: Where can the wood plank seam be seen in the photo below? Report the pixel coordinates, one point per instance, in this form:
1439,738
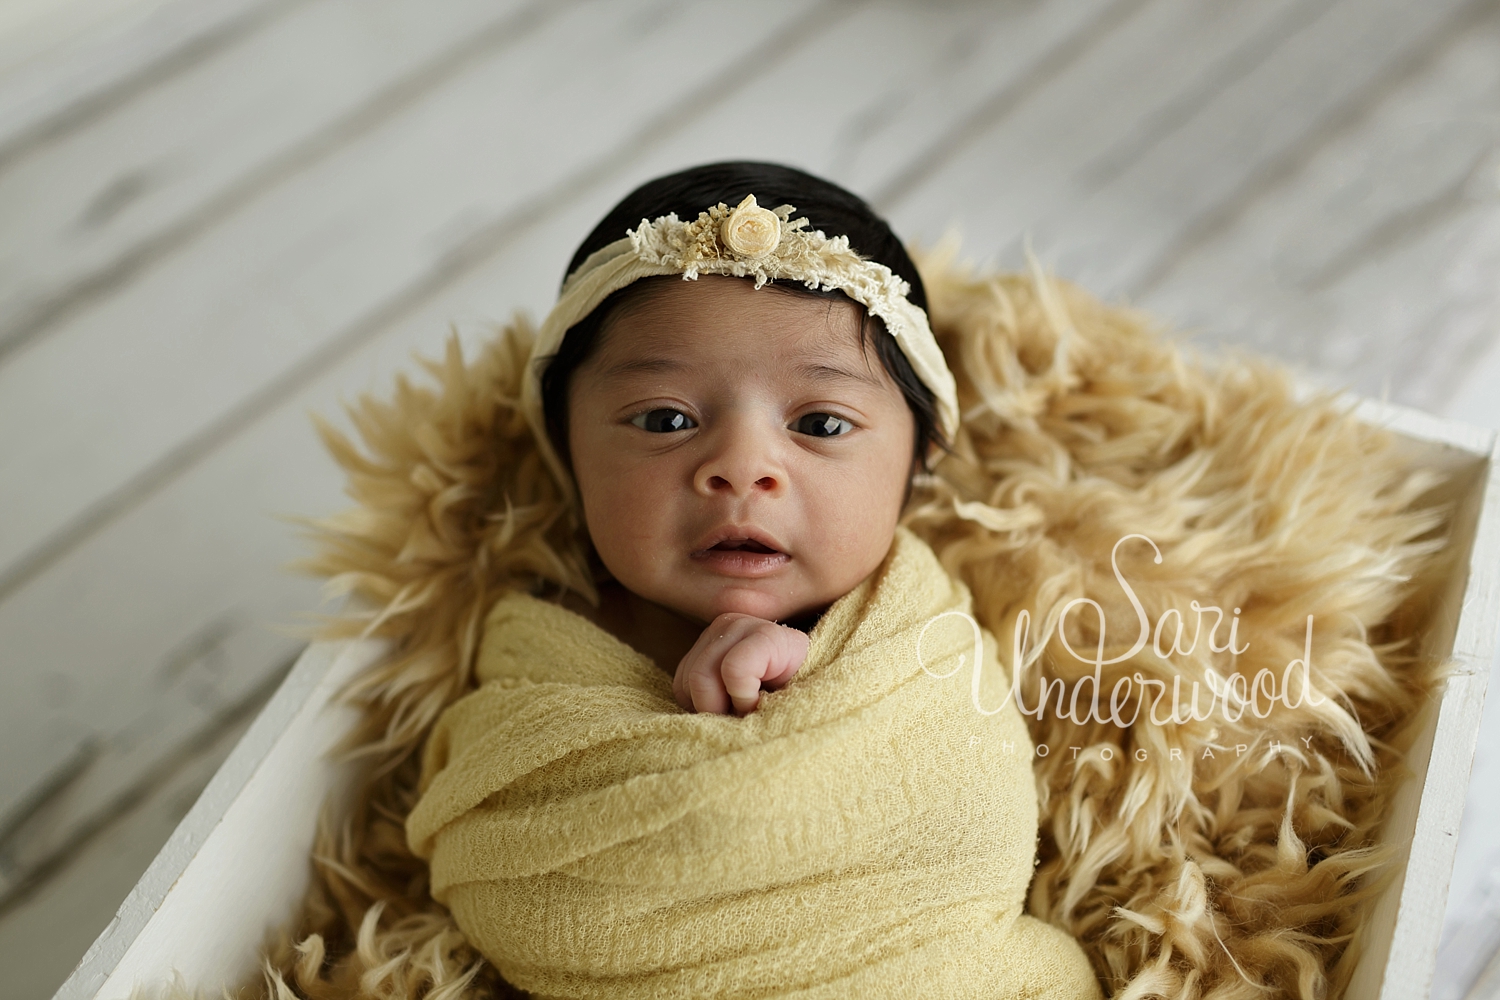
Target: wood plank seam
1343,117
450,266
308,691
1220,76
47,790
17,884
31,828
91,107
52,307
1392,232
996,108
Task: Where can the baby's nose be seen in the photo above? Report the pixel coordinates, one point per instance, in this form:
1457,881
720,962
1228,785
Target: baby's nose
743,463
719,484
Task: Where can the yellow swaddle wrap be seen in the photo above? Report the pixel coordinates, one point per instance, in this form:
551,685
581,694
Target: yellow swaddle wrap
864,832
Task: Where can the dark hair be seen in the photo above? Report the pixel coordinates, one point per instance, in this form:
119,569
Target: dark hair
826,206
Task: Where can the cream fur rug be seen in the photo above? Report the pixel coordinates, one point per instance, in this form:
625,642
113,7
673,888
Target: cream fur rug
1238,867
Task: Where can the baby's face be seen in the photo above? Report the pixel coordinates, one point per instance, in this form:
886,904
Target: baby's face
736,450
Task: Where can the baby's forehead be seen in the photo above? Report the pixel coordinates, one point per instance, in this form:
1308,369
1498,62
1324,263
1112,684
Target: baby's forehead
699,315
724,345
809,363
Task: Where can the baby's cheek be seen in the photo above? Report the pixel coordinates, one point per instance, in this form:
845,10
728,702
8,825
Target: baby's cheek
623,513
853,548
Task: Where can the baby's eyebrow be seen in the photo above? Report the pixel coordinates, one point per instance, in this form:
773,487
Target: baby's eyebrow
639,366
822,371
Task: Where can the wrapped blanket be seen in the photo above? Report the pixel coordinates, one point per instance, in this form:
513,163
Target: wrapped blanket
865,832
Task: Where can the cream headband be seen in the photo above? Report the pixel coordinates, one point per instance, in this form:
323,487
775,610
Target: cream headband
745,241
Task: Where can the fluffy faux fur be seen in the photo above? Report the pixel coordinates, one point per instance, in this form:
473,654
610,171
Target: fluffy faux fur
1234,869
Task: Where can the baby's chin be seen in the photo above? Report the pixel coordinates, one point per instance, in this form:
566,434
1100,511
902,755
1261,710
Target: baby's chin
746,601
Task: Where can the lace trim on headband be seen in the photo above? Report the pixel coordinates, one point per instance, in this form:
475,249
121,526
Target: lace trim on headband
766,244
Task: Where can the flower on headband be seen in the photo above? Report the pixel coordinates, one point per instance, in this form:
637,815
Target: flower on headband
749,230
746,241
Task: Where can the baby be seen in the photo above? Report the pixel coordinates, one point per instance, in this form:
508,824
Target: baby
739,448
741,495
733,494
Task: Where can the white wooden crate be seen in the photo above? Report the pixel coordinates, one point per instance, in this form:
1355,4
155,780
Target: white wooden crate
237,865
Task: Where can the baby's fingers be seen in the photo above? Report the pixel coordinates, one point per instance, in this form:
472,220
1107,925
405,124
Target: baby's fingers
790,651
732,660
696,681
766,657
702,690
745,664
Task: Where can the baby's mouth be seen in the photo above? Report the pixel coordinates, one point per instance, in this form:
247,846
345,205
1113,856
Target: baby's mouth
741,545
741,555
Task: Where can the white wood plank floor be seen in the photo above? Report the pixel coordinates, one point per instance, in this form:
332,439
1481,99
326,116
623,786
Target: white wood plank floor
217,215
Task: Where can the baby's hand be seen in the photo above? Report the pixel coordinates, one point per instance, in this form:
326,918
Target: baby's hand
733,659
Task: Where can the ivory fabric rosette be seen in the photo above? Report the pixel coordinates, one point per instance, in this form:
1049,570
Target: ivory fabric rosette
749,230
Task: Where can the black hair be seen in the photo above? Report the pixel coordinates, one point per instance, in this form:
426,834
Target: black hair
825,205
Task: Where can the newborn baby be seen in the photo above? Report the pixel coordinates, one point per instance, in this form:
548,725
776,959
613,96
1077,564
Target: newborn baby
803,809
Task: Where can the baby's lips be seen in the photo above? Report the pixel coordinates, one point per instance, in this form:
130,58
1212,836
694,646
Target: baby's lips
741,562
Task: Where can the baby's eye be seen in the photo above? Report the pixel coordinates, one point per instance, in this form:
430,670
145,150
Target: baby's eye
663,421
822,425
